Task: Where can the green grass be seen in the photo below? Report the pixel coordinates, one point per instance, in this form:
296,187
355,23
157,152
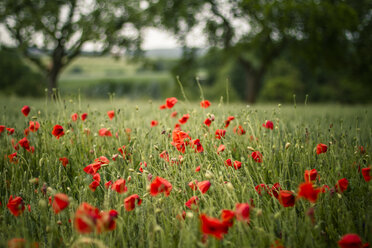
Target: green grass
154,223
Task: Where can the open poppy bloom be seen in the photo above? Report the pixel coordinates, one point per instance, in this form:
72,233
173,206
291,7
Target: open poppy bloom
104,132
17,243
25,144
34,126
184,119
111,114
228,216
220,133
64,161
308,191
310,175
275,189
94,185
286,198
257,156
321,148
180,140
341,185
242,212
203,186
16,205
60,202
173,114
119,186
74,117
229,119
2,128
351,240
262,187
154,123
208,122
160,185
108,184
221,148
268,125
13,158
205,104
130,202
84,116
10,130
366,172
25,110
197,145
192,201
239,130
164,106
170,102
213,226
164,155
58,131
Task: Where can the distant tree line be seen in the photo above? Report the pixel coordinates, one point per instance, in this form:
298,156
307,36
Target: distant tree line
267,50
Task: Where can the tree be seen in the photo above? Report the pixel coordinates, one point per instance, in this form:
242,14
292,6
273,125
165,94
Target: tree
255,33
61,28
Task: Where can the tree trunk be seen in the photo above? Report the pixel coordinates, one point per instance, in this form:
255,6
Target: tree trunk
52,83
54,70
251,85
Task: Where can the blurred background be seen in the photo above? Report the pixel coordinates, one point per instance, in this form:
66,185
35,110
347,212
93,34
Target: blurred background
243,50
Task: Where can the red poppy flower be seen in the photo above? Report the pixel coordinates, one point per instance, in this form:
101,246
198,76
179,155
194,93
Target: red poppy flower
228,162
310,175
64,161
93,168
25,110
111,114
86,217
197,145
160,185
213,226
17,243
97,177
208,122
58,131
94,185
341,185
164,106
268,124
193,184
221,148
130,202
237,165
107,221
366,172
350,240
262,187
34,126
220,133
119,186
227,216
83,116
2,128
277,244
10,130
321,148
229,119
25,144
257,156
60,202
16,205
197,169
362,150
74,117
242,211
286,198
180,140
192,201
170,102
184,119
154,123
309,192
173,114
164,155
239,130
275,189
26,131
13,158
108,184
204,186
104,132
205,104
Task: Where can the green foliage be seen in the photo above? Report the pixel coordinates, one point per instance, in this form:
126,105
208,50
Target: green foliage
17,77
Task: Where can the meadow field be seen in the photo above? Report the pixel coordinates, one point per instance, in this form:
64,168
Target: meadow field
177,174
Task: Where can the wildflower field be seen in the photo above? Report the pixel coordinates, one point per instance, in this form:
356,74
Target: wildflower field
178,174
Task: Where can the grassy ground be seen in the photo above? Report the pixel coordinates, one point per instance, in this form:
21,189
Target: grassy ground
154,223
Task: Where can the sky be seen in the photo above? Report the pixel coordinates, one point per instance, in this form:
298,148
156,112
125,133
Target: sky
153,39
